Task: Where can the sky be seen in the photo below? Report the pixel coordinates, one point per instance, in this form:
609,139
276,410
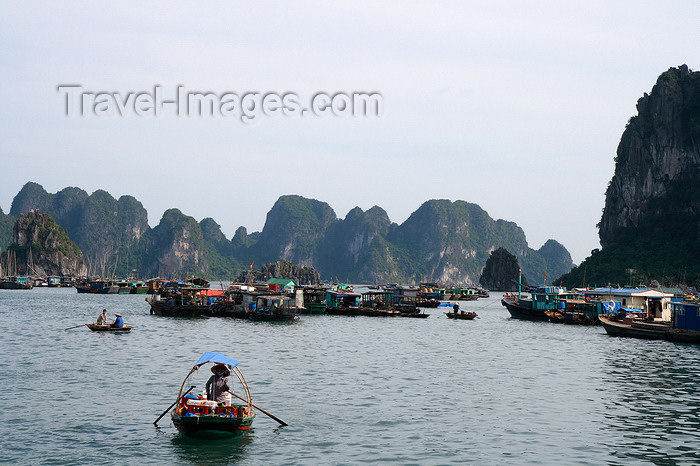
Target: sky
515,106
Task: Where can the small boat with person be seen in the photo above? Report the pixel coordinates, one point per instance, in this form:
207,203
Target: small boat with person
194,413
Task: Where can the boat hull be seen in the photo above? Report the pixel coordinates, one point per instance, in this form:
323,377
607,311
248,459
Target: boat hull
107,328
211,423
178,310
314,308
524,313
465,316
628,329
15,286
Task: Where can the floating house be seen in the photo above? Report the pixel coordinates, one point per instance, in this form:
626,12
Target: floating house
281,284
656,304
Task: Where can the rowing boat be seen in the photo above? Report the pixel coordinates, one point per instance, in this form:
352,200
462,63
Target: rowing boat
194,413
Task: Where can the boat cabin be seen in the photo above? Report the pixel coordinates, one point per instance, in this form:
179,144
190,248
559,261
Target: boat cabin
654,303
53,281
336,299
551,297
686,315
377,299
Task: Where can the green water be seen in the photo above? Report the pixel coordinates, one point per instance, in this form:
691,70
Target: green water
352,389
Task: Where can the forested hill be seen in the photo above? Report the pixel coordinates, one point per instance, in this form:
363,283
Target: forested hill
441,241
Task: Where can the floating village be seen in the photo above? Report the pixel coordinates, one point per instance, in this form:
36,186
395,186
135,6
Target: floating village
654,313
640,312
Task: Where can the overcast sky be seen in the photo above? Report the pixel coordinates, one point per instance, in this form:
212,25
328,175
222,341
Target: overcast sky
515,106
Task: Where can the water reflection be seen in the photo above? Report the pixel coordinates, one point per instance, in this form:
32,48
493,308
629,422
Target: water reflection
211,448
651,405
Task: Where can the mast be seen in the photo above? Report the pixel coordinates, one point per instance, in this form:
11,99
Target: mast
520,282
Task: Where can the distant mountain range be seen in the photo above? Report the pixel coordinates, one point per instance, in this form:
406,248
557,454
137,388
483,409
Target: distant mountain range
650,228
441,241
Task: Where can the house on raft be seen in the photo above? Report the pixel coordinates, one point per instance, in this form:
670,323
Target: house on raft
284,285
655,303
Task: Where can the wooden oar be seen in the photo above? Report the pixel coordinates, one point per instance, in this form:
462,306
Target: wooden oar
75,326
261,410
155,423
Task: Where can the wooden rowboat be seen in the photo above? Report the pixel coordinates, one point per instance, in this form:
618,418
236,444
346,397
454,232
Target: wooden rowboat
194,413
107,328
465,316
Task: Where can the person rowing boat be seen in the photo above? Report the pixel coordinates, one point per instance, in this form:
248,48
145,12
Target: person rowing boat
118,322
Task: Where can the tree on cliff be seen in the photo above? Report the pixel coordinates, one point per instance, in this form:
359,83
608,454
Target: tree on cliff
501,272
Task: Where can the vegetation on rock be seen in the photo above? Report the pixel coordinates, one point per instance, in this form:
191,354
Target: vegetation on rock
42,247
281,269
501,272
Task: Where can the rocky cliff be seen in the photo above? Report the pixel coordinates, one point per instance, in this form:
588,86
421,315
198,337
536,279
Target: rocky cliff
41,247
6,224
501,272
441,241
302,275
650,227
175,247
106,229
659,148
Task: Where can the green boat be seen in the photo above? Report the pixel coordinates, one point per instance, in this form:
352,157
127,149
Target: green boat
314,300
194,413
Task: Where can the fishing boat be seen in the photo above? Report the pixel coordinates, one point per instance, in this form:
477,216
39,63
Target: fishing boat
634,329
463,315
16,283
684,326
314,300
194,413
107,328
552,304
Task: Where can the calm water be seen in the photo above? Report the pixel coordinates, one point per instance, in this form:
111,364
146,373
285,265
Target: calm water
352,389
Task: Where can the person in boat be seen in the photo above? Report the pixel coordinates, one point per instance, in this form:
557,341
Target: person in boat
102,318
217,385
118,322
455,308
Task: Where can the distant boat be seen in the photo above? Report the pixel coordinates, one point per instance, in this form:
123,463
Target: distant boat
314,300
16,283
552,304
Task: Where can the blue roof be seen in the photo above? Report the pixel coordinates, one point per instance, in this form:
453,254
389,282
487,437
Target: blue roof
618,291
216,357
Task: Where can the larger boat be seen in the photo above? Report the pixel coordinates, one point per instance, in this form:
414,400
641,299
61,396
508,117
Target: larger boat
16,283
96,286
194,413
314,300
684,325
183,299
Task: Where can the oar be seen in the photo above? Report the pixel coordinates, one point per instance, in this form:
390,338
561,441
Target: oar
155,423
261,410
75,326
